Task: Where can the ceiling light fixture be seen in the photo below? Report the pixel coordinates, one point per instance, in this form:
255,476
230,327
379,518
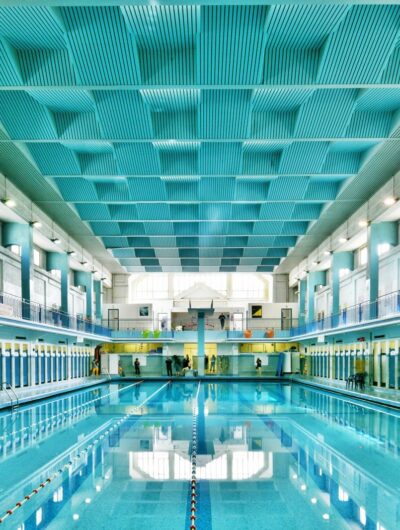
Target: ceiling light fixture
343,239
10,203
7,201
71,253
34,222
56,240
389,201
363,223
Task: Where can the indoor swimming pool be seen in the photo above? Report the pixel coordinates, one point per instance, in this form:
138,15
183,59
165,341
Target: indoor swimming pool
248,455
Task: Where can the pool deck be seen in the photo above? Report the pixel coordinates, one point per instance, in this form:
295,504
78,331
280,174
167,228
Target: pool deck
379,396
26,395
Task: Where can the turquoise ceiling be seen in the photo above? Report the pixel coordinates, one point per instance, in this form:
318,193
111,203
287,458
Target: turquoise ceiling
199,137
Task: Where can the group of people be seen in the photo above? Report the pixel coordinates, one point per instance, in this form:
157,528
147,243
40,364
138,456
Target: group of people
209,366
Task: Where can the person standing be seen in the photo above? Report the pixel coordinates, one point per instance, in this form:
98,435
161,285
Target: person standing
222,319
168,364
258,366
137,366
213,361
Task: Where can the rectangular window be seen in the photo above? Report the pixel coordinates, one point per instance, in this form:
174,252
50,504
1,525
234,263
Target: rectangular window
15,249
363,256
383,248
36,257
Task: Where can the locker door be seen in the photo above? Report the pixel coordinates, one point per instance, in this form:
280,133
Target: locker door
55,361
36,360
341,364
59,364
391,367
346,364
42,366
16,360
8,366
25,366
48,364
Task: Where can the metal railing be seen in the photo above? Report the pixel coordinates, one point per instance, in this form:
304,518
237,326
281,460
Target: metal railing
212,323
12,396
385,306
14,307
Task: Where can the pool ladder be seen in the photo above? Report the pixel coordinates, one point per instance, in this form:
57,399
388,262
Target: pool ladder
105,372
12,396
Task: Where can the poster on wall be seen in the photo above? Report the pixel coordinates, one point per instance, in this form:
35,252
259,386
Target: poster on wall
144,311
256,311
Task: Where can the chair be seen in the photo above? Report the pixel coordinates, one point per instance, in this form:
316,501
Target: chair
359,381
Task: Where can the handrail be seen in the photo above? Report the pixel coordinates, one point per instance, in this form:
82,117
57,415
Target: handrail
387,305
104,371
16,307
6,387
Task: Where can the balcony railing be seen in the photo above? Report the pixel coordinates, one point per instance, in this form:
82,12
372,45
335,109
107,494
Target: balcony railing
385,306
14,307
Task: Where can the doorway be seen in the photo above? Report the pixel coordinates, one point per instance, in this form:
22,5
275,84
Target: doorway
286,318
113,319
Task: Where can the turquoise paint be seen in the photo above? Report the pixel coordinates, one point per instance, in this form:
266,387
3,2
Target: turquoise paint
98,295
22,235
340,260
386,232
200,341
59,261
85,279
314,278
302,301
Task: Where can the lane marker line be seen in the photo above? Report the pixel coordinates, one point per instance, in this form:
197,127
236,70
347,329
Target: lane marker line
69,464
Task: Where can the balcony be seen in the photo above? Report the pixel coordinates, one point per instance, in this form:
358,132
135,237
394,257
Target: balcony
385,309
186,329
13,308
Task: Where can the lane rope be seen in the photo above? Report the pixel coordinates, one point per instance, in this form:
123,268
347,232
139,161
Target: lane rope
193,457
78,456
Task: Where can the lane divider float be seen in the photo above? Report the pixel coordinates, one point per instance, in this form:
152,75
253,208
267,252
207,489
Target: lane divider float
193,458
77,457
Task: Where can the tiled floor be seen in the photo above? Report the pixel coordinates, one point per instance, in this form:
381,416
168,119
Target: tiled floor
377,395
39,392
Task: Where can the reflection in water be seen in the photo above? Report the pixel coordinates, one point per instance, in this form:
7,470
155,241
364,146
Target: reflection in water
268,456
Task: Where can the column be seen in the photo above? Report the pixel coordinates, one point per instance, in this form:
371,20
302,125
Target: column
314,278
98,296
200,341
302,301
22,235
280,288
84,279
386,232
59,261
340,261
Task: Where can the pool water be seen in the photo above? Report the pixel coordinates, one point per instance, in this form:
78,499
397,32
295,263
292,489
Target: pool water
268,456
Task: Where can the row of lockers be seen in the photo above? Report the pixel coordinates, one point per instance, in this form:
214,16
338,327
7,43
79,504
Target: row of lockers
21,365
379,362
